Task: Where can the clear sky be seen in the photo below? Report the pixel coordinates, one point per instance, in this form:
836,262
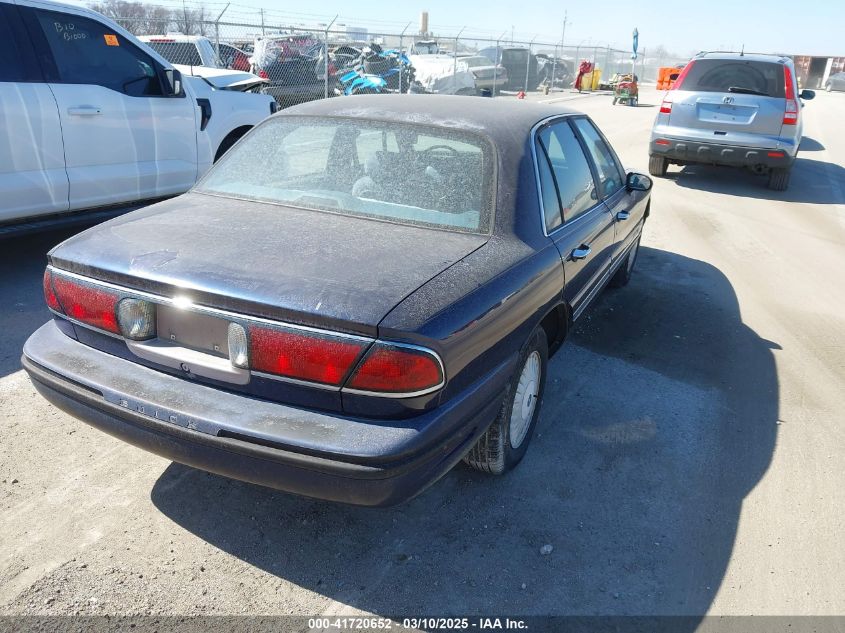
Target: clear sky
811,27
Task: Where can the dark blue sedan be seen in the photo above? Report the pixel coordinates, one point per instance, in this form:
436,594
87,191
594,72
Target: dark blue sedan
361,293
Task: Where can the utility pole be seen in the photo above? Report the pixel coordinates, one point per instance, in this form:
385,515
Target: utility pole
262,21
401,53
496,63
217,31
455,63
326,57
563,33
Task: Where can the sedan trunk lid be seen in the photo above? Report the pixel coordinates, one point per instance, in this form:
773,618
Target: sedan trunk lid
271,261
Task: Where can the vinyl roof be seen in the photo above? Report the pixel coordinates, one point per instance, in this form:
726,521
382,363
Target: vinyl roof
500,119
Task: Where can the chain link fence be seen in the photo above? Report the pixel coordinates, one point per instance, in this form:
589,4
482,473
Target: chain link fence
302,64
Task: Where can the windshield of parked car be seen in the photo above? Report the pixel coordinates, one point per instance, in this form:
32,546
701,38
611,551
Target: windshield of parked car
739,76
436,177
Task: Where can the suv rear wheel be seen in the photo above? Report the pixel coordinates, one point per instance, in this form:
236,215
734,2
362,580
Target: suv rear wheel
657,166
779,179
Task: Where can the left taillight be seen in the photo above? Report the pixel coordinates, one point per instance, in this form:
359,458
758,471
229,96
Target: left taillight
100,307
50,294
790,114
82,302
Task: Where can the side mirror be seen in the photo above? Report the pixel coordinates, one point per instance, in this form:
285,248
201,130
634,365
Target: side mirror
807,95
638,182
174,82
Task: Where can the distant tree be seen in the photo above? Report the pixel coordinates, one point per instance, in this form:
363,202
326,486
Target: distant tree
191,21
129,15
157,20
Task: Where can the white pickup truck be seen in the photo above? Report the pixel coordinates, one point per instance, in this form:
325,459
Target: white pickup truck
93,120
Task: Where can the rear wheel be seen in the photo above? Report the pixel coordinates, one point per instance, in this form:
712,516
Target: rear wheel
779,179
828,86
615,100
503,445
657,165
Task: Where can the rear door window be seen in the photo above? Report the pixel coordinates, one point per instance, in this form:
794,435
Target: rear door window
88,52
571,172
735,75
610,172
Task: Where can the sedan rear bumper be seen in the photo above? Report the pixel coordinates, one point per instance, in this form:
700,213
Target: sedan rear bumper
684,151
71,376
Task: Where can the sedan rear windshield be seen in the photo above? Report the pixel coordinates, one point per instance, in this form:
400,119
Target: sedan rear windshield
405,173
736,75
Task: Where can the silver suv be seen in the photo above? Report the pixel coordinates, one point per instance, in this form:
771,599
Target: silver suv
731,109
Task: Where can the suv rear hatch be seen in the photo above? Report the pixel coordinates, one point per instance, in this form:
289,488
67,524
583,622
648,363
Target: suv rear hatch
729,101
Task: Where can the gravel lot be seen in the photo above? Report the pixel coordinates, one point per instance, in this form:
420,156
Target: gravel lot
690,456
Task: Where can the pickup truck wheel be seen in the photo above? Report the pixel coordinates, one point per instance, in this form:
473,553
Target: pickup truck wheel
779,179
657,166
503,445
626,269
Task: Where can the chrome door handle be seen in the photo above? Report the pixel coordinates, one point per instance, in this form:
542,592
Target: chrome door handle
84,110
582,252
622,216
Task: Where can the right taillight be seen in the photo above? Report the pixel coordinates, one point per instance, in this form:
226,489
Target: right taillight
263,74
391,369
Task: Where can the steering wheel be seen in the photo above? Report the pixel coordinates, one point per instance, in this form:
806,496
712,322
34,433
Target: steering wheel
437,148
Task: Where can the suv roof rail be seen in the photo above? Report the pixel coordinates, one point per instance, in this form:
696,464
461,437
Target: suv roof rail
743,53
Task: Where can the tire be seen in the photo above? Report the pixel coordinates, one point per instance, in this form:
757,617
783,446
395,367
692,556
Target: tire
503,445
828,86
657,166
633,102
615,99
779,179
626,269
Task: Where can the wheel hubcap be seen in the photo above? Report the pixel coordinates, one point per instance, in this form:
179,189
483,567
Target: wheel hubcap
525,399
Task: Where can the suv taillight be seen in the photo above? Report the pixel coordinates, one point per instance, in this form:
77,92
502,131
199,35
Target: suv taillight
666,106
790,114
